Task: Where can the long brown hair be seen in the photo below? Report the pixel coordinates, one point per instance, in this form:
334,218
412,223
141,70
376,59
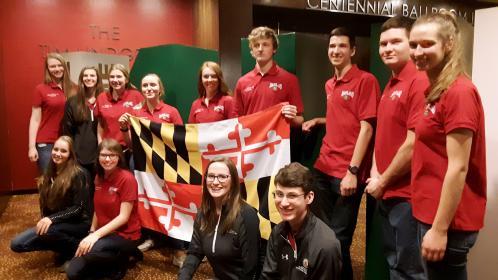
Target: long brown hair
52,186
230,209
449,33
113,146
82,110
222,86
67,86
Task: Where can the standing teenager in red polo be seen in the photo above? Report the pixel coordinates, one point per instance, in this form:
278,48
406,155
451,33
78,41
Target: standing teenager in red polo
399,108
48,109
343,164
268,84
214,102
115,231
449,157
120,99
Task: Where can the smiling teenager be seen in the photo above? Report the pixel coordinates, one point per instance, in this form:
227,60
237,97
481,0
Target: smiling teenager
111,243
64,203
301,246
214,102
48,109
80,118
226,229
120,99
449,156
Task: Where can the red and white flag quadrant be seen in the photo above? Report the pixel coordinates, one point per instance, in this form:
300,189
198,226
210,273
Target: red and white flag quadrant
170,160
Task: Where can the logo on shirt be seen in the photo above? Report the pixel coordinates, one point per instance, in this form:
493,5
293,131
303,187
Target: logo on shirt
219,108
164,116
137,107
198,111
248,88
113,190
128,104
106,106
275,86
430,108
396,94
52,94
285,257
347,94
302,269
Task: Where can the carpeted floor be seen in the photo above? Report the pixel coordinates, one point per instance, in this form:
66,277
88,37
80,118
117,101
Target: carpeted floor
21,212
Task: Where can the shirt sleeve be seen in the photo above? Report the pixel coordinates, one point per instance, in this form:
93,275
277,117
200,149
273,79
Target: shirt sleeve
128,190
461,109
177,119
368,97
191,114
195,253
328,264
230,108
239,102
270,266
295,96
37,97
68,120
79,196
416,101
250,237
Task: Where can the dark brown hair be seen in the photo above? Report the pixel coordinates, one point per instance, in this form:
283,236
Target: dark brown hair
343,31
294,175
232,205
82,110
398,22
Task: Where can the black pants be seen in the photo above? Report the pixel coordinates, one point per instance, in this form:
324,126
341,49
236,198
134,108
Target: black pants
108,256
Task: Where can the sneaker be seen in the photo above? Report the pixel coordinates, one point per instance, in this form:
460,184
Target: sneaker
146,245
179,258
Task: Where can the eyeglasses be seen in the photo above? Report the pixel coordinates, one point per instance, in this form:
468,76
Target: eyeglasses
222,178
291,197
110,156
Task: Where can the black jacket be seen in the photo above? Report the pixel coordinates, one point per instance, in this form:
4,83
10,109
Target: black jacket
83,133
233,255
318,254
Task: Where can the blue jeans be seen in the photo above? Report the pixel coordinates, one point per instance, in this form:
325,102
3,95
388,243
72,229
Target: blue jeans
62,238
454,263
44,155
340,213
400,236
108,256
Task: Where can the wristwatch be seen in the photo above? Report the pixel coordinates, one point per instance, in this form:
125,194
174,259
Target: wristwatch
354,169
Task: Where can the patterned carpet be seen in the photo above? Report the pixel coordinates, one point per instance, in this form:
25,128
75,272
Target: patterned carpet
21,212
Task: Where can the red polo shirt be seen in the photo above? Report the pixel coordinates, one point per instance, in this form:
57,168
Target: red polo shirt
459,107
220,108
400,105
109,111
255,92
120,186
349,100
163,113
51,99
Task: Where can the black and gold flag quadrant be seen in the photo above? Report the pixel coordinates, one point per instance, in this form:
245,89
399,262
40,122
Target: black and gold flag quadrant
165,149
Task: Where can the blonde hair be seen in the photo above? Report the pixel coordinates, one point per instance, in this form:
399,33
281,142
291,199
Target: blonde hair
67,86
161,85
125,72
263,32
449,33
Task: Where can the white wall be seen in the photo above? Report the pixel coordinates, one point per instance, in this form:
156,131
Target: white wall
483,260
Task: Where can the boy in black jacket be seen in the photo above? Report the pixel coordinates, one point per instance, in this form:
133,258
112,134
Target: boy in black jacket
301,246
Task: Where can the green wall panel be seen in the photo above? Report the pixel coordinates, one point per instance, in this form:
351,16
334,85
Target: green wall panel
178,67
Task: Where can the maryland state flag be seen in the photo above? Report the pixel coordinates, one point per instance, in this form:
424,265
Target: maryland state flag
170,160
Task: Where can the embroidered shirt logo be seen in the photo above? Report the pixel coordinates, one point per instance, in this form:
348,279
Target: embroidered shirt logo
429,108
128,104
219,108
113,190
285,257
106,106
347,94
164,116
302,269
198,111
396,94
53,94
275,86
248,88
